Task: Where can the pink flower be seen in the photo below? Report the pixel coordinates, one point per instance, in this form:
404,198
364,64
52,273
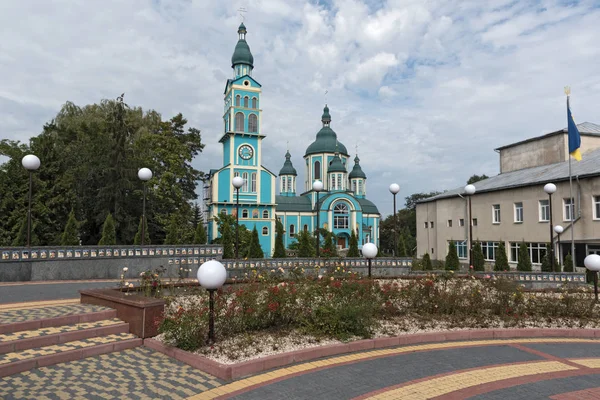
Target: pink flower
470,267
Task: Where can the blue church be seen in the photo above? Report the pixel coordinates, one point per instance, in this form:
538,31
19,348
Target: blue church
343,205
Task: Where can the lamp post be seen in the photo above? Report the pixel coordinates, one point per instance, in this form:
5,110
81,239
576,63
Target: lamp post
211,276
394,189
592,263
369,251
317,187
558,229
550,188
145,175
470,191
237,183
31,163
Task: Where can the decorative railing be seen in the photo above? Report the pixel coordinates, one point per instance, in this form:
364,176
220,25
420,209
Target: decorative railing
271,263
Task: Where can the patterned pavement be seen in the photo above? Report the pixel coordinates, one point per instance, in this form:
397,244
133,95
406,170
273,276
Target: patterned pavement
7,337
29,314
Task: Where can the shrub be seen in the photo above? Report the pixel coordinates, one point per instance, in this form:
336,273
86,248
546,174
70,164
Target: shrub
524,263
501,258
568,266
353,250
452,263
151,282
478,258
279,247
546,261
70,236
426,262
137,239
109,233
186,328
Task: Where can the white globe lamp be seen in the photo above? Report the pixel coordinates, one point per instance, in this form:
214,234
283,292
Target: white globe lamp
394,188
145,174
30,162
317,186
369,251
550,188
211,275
237,182
470,189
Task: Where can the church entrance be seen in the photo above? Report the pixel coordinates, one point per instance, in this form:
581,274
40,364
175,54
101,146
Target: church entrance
341,242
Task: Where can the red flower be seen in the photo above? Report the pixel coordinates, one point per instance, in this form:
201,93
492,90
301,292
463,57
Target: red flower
336,284
275,290
273,306
154,284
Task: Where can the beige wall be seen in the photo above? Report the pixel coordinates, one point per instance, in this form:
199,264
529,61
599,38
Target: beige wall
531,230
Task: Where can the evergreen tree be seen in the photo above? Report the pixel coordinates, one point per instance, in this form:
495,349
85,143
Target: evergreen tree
329,250
353,250
109,235
426,262
452,263
568,267
227,240
478,258
255,250
180,229
70,236
524,263
306,244
279,251
138,235
20,239
401,250
546,261
200,236
501,259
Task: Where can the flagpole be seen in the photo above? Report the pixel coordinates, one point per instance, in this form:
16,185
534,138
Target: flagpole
572,201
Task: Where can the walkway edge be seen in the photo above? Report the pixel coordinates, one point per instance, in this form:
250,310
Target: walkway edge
234,371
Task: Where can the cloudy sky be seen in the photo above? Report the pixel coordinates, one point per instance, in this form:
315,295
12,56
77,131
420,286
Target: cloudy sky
425,88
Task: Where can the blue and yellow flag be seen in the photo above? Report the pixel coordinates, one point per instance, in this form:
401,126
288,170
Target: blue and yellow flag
574,138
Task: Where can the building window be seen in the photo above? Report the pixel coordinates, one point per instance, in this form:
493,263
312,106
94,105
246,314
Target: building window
289,184
596,207
489,250
253,182
265,231
360,187
461,249
266,214
246,101
496,213
431,224
292,230
237,100
317,172
426,224
239,122
449,223
245,213
245,178
254,102
474,222
254,213
536,252
461,222
568,209
305,228
544,210
283,185
252,123
518,212
223,211
339,182
340,216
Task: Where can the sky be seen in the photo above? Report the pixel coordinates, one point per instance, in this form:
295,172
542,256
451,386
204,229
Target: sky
425,89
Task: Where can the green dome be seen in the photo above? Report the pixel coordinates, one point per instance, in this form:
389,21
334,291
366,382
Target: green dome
288,168
336,164
357,171
326,141
242,54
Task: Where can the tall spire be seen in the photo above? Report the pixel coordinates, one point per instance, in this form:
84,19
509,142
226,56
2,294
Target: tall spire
242,60
326,118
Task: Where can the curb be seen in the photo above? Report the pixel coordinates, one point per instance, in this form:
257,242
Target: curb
234,371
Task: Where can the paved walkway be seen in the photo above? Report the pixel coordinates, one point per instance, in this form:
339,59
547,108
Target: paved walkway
39,291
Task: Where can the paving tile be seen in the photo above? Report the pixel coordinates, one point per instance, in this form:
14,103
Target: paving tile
30,314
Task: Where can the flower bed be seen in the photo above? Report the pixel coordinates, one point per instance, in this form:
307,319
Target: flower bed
265,316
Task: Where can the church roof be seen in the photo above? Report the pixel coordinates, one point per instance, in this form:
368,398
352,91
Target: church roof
326,141
288,168
293,203
242,54
357,171
336,164
368,207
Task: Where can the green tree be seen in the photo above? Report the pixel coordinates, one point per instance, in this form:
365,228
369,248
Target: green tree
180,229
426,262
452,263
227,240
546,260
109,236
70,236
568,266
200,236
401,250
329,249
254,248
478,258
501,258
279,251
138,235
524,262
306,244
476,178
353,249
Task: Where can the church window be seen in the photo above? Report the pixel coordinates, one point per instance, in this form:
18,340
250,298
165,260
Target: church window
253,181
305,228
237,100
317,172
254,102
339,182
236,174
245,178
340,216
332,182
246,101
245,213
360,190
265,214
224,211
289,184
265,231
283,184
254,213
239,122
252,123
292,230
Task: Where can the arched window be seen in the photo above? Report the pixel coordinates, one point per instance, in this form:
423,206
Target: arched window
237,100
283,183
317,173
253,182
289,184
266,214
360,189
265,231
239,122
246,101
292,230
305,228
340,216
252,123
245,178
254,213
223,211
244,213
339,182
254,102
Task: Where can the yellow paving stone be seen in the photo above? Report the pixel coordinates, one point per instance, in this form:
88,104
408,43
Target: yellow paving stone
587,362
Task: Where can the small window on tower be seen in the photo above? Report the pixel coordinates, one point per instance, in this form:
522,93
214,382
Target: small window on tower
246,101
254,102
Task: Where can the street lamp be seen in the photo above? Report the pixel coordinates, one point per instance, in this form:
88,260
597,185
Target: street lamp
31,163
237,183
470,190
558,229
317,187
211,276
550,188
592,263
369,251
394,189
145,175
